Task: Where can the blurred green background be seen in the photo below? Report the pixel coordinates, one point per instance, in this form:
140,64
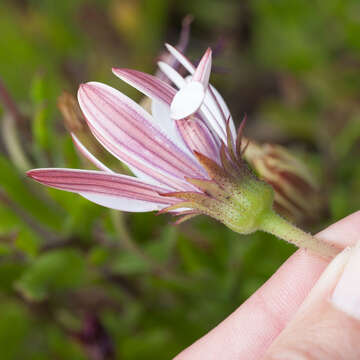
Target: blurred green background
78,281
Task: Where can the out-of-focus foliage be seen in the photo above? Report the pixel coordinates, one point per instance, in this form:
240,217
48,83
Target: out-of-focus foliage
78,281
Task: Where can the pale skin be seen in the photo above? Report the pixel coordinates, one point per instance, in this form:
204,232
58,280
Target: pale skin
291,316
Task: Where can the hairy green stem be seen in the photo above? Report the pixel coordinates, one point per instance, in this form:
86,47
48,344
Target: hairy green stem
276,225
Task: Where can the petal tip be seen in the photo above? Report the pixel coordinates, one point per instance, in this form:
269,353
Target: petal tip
33,174
89,85
116,70
83,87
30,173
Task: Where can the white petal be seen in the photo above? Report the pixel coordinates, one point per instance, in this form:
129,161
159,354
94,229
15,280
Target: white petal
182,59
187,100
225,110
172,74
123,204
210,109
161,115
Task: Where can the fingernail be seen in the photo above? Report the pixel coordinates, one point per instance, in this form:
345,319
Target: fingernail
346,296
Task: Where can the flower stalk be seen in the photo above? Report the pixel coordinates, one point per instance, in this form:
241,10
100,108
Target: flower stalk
278,226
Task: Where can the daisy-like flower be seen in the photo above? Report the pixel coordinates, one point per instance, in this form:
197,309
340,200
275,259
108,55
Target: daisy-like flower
186,157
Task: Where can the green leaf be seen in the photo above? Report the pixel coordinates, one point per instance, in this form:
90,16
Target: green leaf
11,182
130,263
346,138
27,242
38,89
61,346
162,248
5,249
39,127
98,255
81,213
194,259
52,272
14,328
142,344
9,273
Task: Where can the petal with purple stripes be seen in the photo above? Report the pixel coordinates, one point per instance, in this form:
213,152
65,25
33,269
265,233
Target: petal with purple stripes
161,94
115,191
202,72
149,85
127,131
198,138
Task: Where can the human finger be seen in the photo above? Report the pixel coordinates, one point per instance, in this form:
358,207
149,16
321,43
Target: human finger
327,325
249,330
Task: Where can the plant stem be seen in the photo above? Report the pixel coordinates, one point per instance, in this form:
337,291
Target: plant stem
276,225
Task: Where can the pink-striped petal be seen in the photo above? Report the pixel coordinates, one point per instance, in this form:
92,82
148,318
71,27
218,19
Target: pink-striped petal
141,170
202,72
115,191
198,138
149,85
161,94
88,155
126,130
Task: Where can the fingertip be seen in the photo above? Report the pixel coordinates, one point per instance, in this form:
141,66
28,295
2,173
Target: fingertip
346,295
345,232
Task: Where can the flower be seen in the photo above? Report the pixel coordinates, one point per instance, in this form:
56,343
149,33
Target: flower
186,157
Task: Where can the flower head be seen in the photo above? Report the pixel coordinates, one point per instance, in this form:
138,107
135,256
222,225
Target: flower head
186,156
296,193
